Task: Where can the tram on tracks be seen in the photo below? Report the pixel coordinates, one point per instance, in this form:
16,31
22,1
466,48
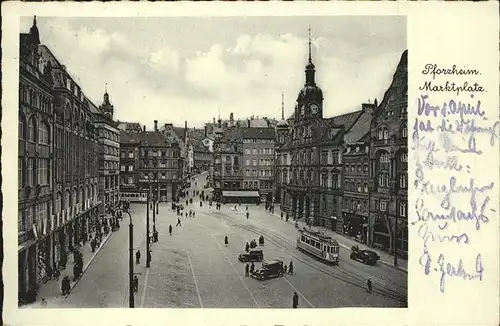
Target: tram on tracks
133,197
323,247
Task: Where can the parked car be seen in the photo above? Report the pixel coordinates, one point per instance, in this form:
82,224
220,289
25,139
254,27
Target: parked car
252,255
365,256
269,269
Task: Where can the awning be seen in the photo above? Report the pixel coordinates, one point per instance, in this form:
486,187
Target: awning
240,194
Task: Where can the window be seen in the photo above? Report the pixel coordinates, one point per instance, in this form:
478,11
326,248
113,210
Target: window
402,209
324,179
21,127
383,180
130,180
403,182
20,170
32,130
122,168
383,133
403,158
130,168
31,169
404,131
383,205
365,187
43,134
122,154
384,158
43,178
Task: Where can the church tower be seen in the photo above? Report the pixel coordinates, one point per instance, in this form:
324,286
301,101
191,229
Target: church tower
106,108
282,126
310,98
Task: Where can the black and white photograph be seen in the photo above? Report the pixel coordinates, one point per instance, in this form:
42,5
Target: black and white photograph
213,162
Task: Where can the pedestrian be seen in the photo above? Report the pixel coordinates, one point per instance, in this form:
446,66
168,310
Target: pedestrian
247,209
201,203
182,213
281,215
290,269
247,247
137,257
284,269
248,215
252,267
369,285
170,229
178,222
44,303
286,218
226,241
246,270
194,214
190,213
136,284
187,202
295,300
92,245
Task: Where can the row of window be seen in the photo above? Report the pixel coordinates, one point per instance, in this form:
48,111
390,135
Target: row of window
158,176
262,162
356,167
383,132
36,132
110,165
359,206
109,150
402,207
258,141
154,164
259,151
383,180
36,99
257,173
154,153
125,154
32,172
109,135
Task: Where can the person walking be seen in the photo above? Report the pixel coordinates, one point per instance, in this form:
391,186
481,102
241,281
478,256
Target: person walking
248,215
136,284
369,285
281,215
170,229
246,270
194,214
137,257
226,241
178,222
295,300
247,247
284,269
290,268
252,267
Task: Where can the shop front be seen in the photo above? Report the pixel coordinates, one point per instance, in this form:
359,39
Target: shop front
354,226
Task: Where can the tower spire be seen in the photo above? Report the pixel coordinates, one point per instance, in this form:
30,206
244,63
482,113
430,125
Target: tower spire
34,20
310,59
282,107
106,88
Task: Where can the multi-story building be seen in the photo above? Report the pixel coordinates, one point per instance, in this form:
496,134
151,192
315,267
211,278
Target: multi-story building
258,160
149,160
36,226
58,163
129,167
389,165
228,155
109,160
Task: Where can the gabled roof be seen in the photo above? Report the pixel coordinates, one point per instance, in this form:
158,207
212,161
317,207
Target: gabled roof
179,131
153,138
128,137
359,129
395,97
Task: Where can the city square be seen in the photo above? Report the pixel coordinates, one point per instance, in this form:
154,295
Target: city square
124,207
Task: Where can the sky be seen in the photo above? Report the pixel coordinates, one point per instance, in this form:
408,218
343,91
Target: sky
176,69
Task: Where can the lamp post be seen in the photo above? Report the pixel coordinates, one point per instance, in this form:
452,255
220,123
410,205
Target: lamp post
131,255
148,254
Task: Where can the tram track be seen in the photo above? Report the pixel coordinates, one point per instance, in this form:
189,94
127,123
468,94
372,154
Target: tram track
338,273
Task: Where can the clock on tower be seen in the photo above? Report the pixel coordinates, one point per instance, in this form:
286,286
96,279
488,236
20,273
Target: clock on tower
314,108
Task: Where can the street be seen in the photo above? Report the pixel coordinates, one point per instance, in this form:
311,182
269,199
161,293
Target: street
193,267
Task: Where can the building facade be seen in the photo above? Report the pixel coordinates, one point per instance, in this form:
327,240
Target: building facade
258,161
149,160
58,203
228,155
109,156
389,165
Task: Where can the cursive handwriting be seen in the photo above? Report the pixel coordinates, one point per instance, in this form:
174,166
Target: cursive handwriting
433,69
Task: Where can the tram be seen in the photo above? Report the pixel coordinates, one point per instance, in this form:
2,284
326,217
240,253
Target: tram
317,244
133,197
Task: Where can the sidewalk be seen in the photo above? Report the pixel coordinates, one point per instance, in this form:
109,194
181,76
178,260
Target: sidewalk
51,290
347,243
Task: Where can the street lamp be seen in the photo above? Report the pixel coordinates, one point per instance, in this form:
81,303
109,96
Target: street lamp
148,254
131,256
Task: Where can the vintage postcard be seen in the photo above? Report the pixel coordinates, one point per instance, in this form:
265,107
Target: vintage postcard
232,164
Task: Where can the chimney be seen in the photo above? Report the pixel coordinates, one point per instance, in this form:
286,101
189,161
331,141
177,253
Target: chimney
156,125
248,123
206,131
144,128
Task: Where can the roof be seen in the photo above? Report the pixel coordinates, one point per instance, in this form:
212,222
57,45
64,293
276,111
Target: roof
359,128
93,108
258,133
147,138
179,131
128,137
395,97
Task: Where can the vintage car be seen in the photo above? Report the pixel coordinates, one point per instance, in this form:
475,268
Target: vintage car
252,255
269,269
366,256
